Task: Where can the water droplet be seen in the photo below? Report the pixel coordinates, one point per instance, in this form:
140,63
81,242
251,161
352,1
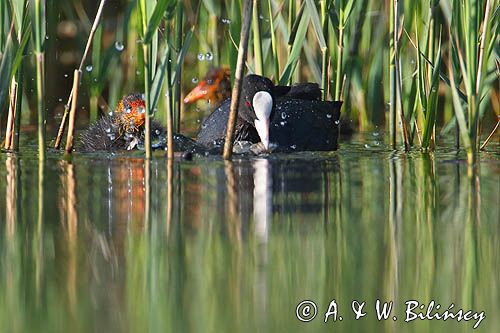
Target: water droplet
194,80
376,133
201,56
283,123
66,75
128,109
337,122
226,21
157,132
142,110
108,130
293,147
283,115
204,126
46,37
138,73
110,113
89,68
367,146
60,99
119,46
209,56
329,116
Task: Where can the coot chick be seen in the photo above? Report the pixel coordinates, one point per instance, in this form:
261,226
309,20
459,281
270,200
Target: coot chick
124,130
214,88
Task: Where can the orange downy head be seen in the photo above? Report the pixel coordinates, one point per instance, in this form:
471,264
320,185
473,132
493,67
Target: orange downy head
131,112
215,87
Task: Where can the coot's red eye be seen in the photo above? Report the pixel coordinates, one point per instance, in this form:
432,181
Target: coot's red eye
247,103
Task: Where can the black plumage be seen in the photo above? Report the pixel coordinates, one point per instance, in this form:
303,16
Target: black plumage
106,136
299,121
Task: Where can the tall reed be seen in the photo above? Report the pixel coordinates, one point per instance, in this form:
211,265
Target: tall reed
149,44
365,52
472,23
14,70
235,96
39,22
68,105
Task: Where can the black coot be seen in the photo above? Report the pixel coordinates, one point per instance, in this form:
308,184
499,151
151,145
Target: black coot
292,118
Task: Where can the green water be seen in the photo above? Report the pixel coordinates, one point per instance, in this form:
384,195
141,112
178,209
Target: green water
100,245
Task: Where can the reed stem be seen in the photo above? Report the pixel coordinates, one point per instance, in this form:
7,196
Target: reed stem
170,106
274,45
235,96
19,104
338,73
97,19
147,87
485,143
397,69
9,132
257,44
324,51
40,89
392,79
71,127
177,84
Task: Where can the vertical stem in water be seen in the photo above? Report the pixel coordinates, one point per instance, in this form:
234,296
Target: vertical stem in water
19,102
146,49
11,114
147,118
235,96
257,45
72,114
177,83
84,57
39,37
338,74
392,79
170,143
397,73
324,52
41,104
274,46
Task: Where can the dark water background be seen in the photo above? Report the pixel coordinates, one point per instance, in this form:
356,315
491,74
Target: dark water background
116,244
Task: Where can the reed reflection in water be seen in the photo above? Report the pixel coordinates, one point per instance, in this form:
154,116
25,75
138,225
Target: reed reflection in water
121,244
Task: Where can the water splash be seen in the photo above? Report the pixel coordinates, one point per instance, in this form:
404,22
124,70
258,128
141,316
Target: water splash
119,46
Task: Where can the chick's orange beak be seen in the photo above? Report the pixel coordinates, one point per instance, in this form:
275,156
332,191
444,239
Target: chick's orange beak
201,91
